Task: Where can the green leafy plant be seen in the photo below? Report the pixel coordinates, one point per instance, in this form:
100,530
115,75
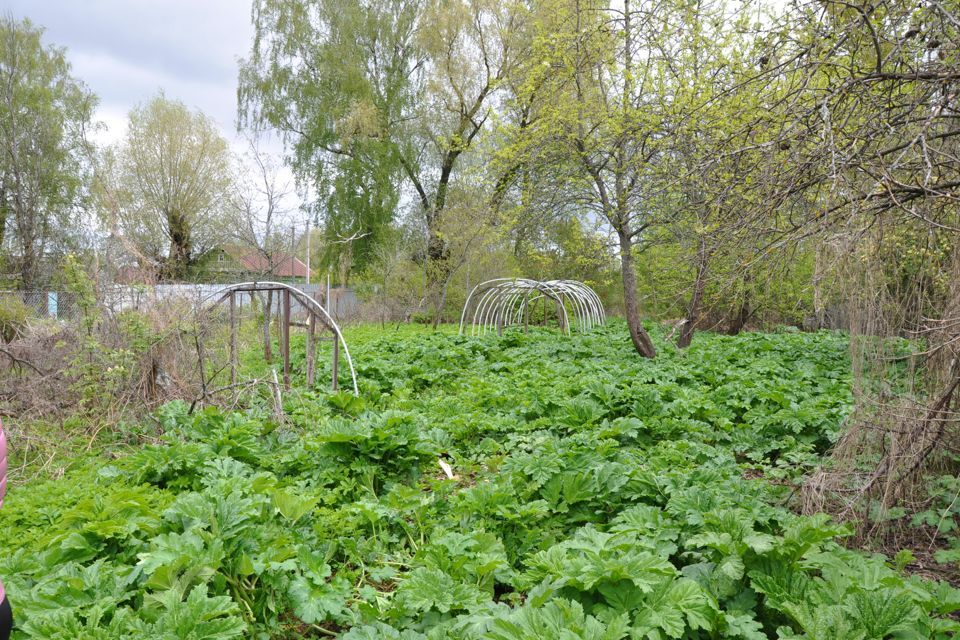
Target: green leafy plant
590,495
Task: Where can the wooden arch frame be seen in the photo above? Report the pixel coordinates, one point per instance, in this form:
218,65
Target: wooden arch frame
316,313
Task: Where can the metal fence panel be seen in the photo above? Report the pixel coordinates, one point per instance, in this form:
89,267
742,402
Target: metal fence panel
44,304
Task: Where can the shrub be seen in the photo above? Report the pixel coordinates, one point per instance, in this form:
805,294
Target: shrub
13,319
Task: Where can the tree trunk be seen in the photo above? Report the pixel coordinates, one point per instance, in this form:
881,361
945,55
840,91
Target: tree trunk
641,339
693,311
4,214
267,310
29,270
437,267
441,302
819,308
739,321
29,260
180,245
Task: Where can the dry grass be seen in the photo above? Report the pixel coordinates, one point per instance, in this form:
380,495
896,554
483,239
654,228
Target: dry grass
905,427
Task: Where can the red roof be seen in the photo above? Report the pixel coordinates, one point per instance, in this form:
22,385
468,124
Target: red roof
284,265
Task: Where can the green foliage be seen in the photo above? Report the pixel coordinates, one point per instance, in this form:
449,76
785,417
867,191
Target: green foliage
595,496
14,315
351,71
167,186
78,282
44,116
771,292
111,350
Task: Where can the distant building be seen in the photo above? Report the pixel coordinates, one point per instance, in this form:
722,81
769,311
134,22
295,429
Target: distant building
233,263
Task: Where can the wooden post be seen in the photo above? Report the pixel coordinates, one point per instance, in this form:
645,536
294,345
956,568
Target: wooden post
311,348
336,361
267,315
285,324
233,337
277,398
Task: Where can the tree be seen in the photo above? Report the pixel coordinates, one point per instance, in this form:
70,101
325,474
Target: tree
882,133
166,188
716,123
375,98
334,78
259,199
594,71
44,116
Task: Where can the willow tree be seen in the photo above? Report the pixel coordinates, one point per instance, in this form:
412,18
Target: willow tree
165,189
44,114
335,78
376,100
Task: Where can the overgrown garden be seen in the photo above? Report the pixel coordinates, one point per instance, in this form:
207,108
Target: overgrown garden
590,494
762,443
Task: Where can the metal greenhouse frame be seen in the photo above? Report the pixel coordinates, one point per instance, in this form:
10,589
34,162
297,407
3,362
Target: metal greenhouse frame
317,320
503,302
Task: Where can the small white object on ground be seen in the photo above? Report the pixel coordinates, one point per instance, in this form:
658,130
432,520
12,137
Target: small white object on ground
447,469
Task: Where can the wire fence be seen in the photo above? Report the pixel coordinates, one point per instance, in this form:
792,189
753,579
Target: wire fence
43,304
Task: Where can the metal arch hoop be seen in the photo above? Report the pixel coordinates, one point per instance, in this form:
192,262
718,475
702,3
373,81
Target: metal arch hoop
308,302
501,302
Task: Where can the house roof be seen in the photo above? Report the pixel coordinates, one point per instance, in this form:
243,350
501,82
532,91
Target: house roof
284,265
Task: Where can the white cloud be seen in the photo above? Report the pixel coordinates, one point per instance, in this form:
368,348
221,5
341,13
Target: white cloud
128,50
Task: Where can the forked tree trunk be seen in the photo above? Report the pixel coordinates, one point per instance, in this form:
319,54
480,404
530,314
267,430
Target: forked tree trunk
641,339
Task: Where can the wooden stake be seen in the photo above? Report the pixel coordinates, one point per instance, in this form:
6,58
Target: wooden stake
336,361
285,324
277,398
311,348
233,337
267,316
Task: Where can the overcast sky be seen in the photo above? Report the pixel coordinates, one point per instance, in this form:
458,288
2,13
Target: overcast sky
127,50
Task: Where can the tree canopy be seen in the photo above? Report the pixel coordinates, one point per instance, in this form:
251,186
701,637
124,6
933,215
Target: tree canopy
45,114
166,188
